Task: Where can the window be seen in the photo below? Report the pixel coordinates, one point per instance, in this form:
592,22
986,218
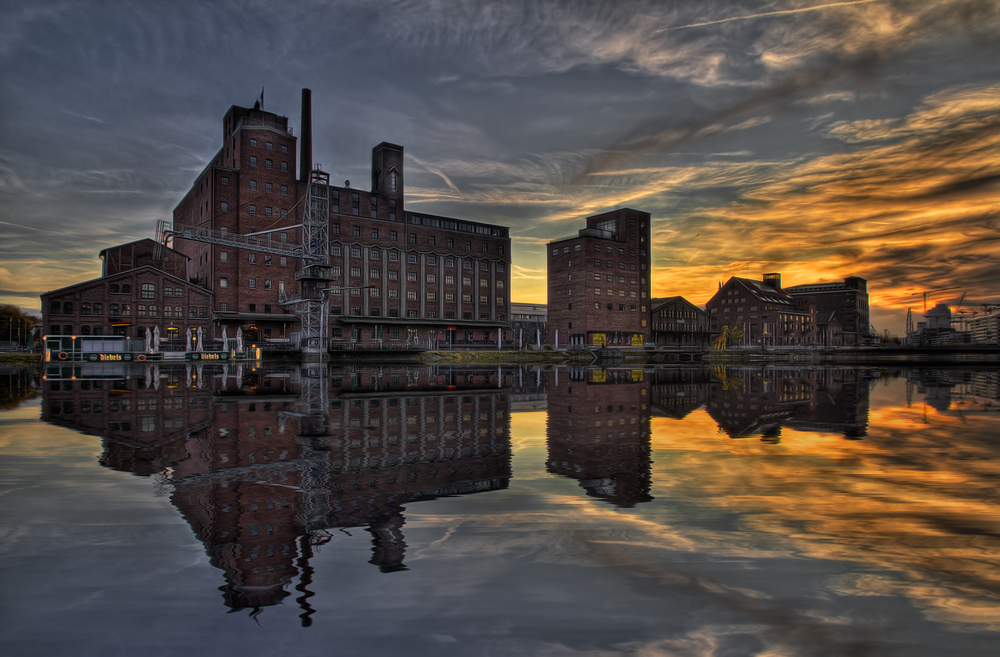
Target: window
468,246
253,185
449,297
451,243
392,210
267,211
252,283
224,206
374,292
411,257
483,282
148,291
374,273
432,260
253,209
432,240
225,180
467,264
284,148
268,188
284,166
284,261
267,284
284,190
126,309
466,280
413,238
393,236
267,261
335,250
154,311
356,272
483,298
393,275
99,309
268,164
431,278
355,251
449,262
393,293
411,276
432,296
253,160
449,280
466,298
355,204
374,233
192,312
374,207
411,295
113,310
252,258
85,308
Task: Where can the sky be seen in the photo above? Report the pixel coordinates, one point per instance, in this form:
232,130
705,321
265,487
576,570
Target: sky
816,139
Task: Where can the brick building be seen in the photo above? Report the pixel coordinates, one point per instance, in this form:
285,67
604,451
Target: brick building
143,285
598,432
396,276
766,314
599,282
842,316
678,322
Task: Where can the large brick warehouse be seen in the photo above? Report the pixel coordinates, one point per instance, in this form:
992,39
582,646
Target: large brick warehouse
395,276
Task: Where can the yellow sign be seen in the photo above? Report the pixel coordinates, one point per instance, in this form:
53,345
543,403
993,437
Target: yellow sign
599,376
637,340
637,375
600,339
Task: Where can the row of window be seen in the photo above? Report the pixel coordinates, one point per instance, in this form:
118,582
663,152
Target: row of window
356,311
597,249
411,276
269,145
431,239
611,279
621,265
269,188
252,259
268,164
411,258
611,293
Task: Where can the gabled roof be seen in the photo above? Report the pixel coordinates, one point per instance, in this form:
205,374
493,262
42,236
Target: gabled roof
123,274
101,253
663,301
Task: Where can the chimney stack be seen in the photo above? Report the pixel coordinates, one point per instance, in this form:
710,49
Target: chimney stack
773,280
305,139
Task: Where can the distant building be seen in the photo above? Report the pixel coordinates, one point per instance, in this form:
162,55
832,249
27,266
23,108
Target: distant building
766,314
598,282
143,285
529,322
985,329
678,322
842,315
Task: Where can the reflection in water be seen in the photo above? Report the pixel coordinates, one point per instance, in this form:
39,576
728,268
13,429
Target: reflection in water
598,432
871,483
263,464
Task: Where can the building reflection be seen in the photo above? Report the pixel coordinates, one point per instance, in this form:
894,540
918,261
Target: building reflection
598,431
265,464
752,401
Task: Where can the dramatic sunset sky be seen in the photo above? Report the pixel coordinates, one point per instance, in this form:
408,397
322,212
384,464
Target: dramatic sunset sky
817,139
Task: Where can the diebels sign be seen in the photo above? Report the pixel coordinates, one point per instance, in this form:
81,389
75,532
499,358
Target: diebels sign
103,357
208,355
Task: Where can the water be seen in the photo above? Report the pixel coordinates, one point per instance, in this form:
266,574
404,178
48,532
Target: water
485,511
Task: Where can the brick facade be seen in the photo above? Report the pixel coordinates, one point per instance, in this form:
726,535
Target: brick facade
399,276
599,282
144,286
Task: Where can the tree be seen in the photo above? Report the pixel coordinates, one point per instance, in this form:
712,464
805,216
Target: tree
15,324
729,334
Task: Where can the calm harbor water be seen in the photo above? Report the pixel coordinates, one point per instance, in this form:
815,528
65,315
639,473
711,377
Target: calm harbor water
499,511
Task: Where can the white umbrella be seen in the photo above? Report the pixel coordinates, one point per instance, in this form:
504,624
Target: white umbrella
149,377
225,339
201,338
239,339
187,346
200,374
156,339
149,341
187,372
156,377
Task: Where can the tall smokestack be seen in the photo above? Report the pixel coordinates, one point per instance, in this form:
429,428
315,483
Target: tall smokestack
306,138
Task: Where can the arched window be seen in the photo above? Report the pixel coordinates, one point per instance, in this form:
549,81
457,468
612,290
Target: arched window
392,180
148,291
